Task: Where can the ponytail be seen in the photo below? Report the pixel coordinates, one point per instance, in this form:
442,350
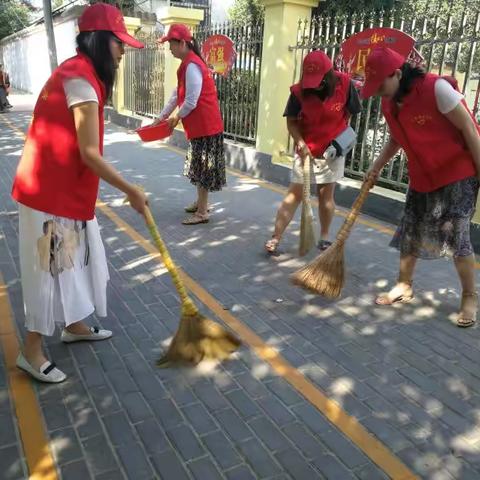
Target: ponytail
195,48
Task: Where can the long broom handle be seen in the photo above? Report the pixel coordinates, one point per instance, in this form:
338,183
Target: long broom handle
356,207
188,306
306,180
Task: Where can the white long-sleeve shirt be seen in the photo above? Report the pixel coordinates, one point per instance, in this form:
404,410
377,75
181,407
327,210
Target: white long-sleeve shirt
193,87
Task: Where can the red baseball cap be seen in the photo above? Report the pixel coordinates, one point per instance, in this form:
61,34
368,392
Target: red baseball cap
177,31
102,16
381,63
315,65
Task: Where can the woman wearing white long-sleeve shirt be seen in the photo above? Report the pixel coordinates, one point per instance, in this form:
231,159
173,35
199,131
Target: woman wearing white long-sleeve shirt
196,97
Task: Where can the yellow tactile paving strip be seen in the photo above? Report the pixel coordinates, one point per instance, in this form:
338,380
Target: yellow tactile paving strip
40,463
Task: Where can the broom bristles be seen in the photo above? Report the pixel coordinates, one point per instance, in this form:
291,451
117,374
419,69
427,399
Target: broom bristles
325,275
199,338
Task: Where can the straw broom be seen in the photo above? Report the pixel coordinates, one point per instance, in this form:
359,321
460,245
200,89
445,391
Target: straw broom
197,337
307,237
326,274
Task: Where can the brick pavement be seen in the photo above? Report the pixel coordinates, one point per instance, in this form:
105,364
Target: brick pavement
409,376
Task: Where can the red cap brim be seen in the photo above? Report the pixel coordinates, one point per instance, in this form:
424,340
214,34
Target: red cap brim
128,39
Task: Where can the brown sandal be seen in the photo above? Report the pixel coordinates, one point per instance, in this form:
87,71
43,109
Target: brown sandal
385,299
196,219
465,320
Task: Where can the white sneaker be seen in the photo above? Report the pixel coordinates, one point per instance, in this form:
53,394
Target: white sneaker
96,334
47,373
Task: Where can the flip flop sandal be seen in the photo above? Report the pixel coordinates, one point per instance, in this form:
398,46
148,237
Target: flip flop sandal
272,245
384,300
323,244
464,321
196,219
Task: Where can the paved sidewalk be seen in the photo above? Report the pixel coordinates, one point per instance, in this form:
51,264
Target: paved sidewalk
408,375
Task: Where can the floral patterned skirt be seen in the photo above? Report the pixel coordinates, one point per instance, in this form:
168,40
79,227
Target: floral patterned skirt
205,163
437,224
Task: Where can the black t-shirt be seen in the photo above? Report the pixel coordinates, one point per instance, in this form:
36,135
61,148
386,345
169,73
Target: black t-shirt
354,105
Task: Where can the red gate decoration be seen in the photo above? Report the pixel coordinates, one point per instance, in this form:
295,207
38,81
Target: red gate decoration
219,53
355,49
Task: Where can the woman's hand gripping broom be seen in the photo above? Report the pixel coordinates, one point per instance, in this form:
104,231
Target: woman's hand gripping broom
326,274
307,236
197,337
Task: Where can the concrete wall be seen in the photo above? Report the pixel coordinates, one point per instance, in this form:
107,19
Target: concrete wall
25,54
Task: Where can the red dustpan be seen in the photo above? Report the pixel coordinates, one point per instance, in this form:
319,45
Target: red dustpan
151,133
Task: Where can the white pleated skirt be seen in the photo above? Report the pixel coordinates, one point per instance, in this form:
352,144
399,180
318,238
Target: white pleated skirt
63,269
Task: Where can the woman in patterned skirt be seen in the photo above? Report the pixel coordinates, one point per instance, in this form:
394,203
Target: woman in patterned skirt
62,259
429,119
196,97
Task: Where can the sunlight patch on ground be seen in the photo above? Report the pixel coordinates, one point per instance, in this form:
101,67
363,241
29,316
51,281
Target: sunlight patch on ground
137,262
342,386
260,370
381,283
217,243
189,240
368,330
145,278
467,442
245,188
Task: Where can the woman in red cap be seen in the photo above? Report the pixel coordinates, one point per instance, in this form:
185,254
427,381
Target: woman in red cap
317,111
196,97
63,266
429,119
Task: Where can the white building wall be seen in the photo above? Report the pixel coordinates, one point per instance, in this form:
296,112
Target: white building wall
25,54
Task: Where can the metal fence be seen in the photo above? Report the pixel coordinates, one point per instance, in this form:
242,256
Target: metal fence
448,42
144,78
238,92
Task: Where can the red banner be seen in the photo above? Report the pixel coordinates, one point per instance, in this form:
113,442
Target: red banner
219,53
356,48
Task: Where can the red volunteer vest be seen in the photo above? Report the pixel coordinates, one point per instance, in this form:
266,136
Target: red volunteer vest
322,121
51,176
436,151
205,119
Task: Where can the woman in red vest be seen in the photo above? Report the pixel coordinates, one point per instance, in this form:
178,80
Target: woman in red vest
62,259
429,119
196,98
317,111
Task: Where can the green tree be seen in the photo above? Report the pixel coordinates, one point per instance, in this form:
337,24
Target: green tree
14,16
246,11
351,6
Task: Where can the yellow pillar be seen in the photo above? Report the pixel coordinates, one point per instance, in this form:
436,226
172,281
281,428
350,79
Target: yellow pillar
167,16
278,62
132,24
